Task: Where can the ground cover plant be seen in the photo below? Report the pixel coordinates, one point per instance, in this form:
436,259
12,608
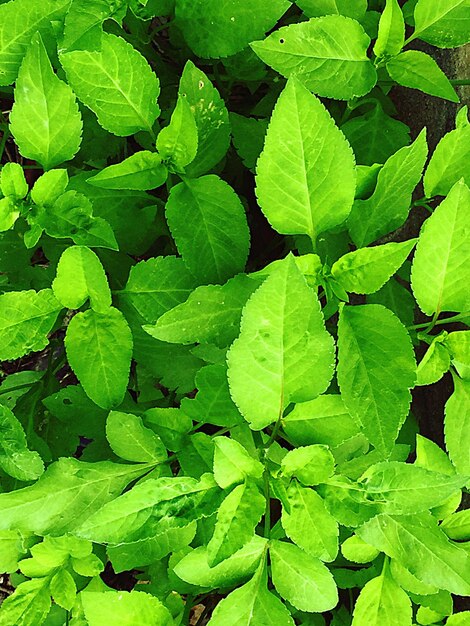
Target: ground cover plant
225,264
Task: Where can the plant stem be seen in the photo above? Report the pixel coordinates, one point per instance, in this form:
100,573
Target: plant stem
187,609
448,320
462,82
3,142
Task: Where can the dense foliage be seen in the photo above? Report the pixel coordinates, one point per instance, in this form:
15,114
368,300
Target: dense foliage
213,304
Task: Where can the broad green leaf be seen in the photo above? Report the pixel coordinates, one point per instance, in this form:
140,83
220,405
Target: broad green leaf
432,457
183,498
237,518
13,182
225,27
450,161
311,465
80,276
310,265
458,619
28,605
456,426
141,171
211,117
45,120
83,22
368,269
418,70
434,364
26,318
328,55
382,603
124,608
317,8
457,525
116,83
211,314
71,216
376,370
391,36
194,568
233,464
408,582
63,589
422,548
441,265
15,458
208,223
270,365
65,496
156,286
458,343
131,440
323,420
309,524
19,20
9,213
248,135
374,137
99,350
49,187
303,581
213,403
252,605
443,23
356,550
303,158
394,296
170,424
177,143
389,205
402,488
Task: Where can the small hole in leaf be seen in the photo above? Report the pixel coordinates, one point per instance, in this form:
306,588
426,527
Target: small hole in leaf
67,401
281,40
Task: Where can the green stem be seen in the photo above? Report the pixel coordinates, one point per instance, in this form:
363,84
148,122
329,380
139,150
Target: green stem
3,143
187,609
274,433
448,320
17,387
460,82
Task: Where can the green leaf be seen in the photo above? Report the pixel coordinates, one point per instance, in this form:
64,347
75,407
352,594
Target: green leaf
131,440
432,457
328,55
403,488
233,464
13,182
450,161
422,548
391,37
458,619
350,8
13,547
83,23
309,524
434,364
356,550
252,605
28,605
420,71
394,296
71,216
458,343
156,286
15,458
19,21
116,83
211,117
442,23
303,581
303,158
270,365
177,143
224,28
248,135
26,318
213,403
63,589
141,171
80,276
323,420
381,602
47,134
457,525
99,350
237,518
171,425
441,265
208,222
376,370
194,568
65,496
49,187
8,213
368,269
311,465
124,608
389,205
211,314
456,426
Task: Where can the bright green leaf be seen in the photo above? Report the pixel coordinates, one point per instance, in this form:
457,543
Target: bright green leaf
391,36
311,465
15,458
442,23
141,171
131,440
456,426
124,608
177,143
233,464
12,181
